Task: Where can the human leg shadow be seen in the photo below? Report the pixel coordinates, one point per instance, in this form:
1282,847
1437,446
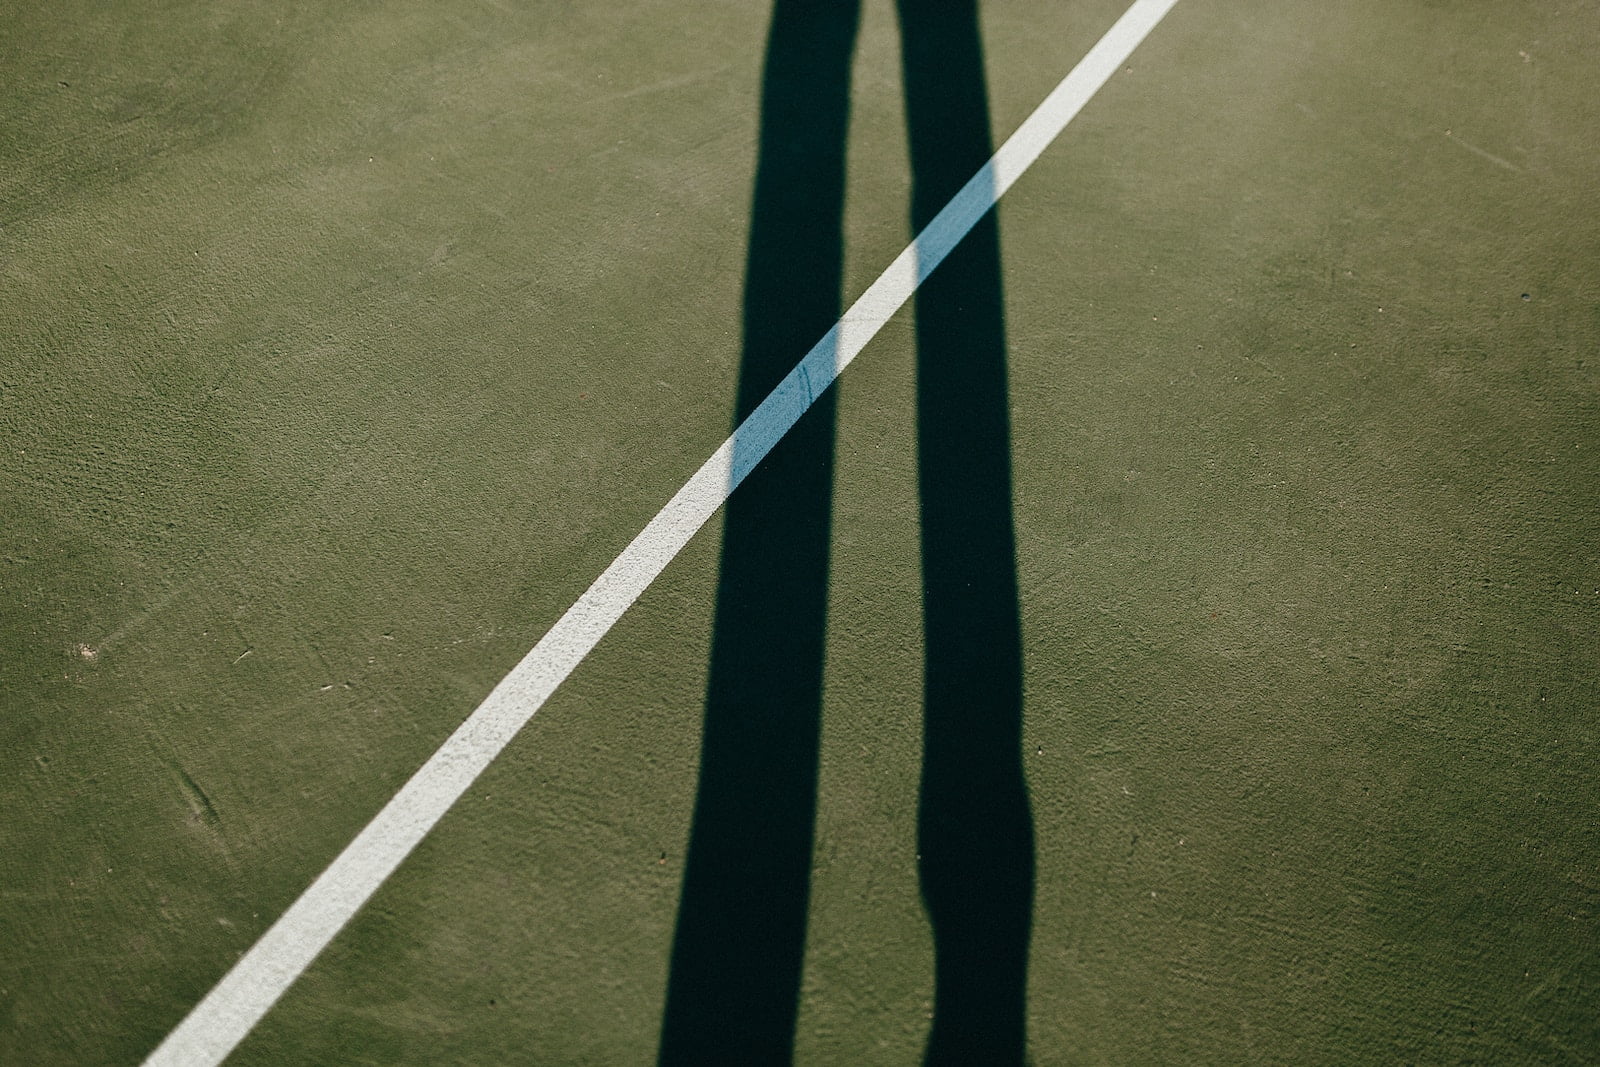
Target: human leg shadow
734,979
974,824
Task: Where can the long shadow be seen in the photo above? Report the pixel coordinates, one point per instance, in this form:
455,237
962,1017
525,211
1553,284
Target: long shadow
974,824
735,975
733,987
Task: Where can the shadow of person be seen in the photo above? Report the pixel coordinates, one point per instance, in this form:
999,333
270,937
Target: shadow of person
734,980
974,824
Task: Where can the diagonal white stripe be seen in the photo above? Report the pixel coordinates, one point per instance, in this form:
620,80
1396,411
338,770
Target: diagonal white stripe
259,978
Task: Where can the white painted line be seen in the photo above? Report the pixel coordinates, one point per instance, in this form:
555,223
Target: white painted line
259,978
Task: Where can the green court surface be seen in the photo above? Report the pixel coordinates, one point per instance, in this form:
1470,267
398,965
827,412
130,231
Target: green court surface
342,346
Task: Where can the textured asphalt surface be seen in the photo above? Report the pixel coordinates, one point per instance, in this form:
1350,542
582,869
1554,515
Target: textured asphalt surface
340,348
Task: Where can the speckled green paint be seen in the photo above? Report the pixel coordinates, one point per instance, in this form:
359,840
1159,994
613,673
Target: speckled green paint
340,349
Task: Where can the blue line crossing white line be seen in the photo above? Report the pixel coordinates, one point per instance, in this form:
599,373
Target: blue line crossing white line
234,1006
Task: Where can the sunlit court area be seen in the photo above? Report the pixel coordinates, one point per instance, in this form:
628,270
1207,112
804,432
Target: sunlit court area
966,532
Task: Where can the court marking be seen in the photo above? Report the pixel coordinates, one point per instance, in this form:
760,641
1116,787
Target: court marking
236,1003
